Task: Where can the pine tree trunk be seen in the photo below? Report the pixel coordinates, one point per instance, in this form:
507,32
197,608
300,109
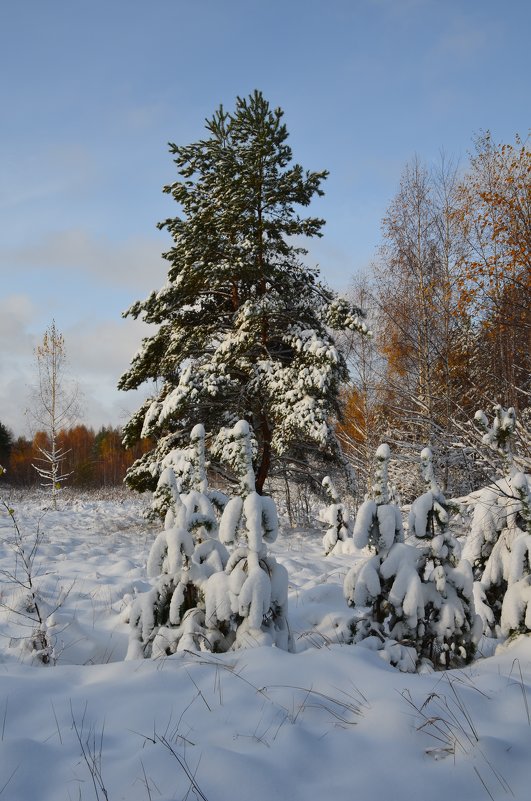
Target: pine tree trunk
265,462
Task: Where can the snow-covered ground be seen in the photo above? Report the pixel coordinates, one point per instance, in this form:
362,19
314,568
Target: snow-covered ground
330,721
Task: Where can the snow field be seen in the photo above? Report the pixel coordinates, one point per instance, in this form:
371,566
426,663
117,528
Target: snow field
330,721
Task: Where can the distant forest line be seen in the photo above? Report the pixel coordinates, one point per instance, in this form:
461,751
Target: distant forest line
92,458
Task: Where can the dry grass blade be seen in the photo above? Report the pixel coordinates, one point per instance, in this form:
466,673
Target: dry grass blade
522,688
91,752
4,719
326,702
478,774
184,765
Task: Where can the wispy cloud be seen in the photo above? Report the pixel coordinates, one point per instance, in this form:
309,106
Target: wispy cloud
463,41
49,171
104,349
134,263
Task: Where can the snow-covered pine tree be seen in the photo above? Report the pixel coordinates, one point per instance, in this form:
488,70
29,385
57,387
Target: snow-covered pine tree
385,589
248,602
243,324
336,516
185,554
450,629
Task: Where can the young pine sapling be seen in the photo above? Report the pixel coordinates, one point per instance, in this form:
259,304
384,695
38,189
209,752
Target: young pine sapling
450,628
185,554
385,589
336,516
248,602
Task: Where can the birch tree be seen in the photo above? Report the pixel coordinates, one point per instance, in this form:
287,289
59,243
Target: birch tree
54,407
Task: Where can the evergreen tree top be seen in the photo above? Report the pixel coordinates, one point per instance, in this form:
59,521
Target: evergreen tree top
238,192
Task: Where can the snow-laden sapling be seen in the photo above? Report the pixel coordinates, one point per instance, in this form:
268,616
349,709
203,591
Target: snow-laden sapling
516,606
490,511
185,554
247,603
181,471
450,628
499,436
336,516
385,588
501,517
488,521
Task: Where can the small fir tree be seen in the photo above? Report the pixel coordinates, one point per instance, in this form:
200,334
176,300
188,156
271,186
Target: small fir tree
181,471
499,436
511,558
488,521
499,520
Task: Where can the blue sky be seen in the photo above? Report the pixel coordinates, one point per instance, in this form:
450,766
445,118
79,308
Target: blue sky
91,91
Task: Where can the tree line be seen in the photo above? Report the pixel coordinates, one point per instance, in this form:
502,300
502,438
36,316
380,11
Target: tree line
92,458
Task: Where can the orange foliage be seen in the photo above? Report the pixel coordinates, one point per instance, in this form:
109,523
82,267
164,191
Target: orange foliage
93,459
353,426
494,211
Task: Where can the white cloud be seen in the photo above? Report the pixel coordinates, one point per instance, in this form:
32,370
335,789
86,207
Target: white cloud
134,263
16,349
97,354
104,349
46,172
14,400
103,405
